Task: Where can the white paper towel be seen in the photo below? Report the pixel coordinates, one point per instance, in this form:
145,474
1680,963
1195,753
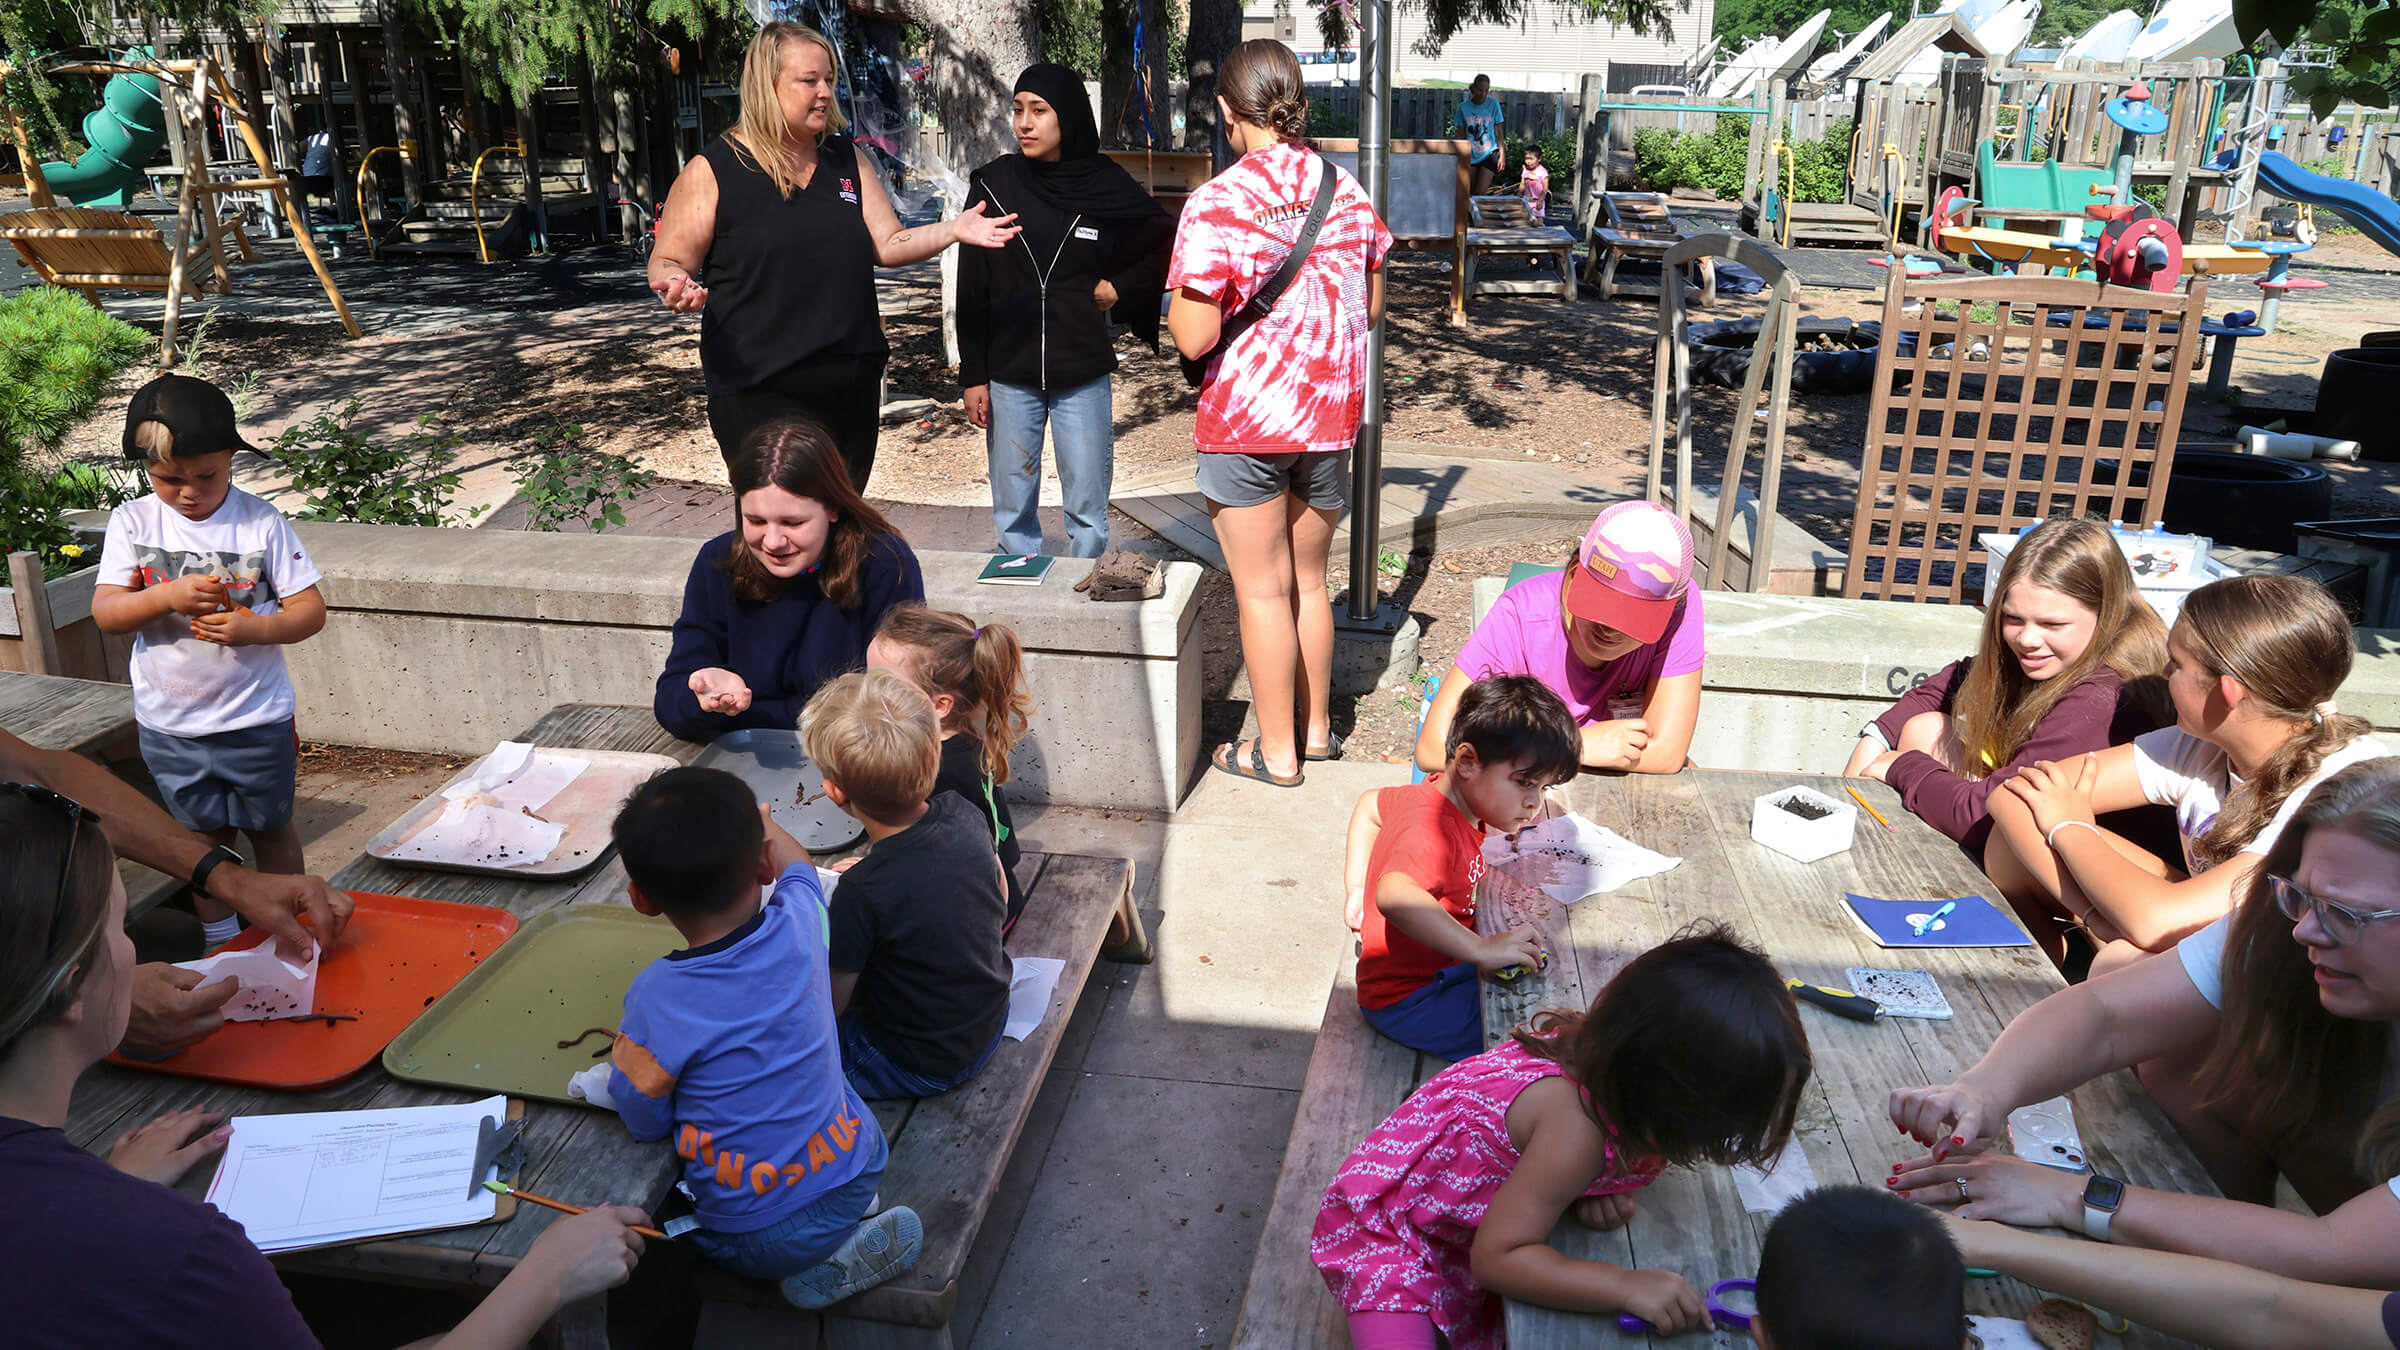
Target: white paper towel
270,985
1569,857
1030,985
476,831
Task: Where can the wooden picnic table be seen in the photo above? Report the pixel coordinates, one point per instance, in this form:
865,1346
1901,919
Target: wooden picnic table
1693,1222
52,712
572,1152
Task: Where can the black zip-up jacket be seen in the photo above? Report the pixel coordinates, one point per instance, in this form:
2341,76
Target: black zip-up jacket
1025,311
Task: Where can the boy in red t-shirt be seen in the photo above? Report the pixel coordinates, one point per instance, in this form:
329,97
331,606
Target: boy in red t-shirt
1419,952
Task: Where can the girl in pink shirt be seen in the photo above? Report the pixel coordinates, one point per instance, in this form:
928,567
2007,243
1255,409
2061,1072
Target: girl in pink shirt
1693,1053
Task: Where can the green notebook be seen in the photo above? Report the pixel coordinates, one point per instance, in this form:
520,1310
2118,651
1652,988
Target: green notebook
1026,569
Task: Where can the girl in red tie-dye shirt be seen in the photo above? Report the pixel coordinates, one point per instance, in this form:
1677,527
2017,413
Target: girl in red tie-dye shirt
1280,405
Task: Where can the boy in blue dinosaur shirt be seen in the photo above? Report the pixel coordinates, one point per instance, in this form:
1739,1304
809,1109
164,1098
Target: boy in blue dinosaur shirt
729,1046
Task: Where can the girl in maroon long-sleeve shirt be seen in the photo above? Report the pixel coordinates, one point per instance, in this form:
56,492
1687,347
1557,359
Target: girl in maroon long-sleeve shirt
2069,662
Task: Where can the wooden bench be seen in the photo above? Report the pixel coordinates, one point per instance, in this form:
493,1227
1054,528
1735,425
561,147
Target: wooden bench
1356,1077
1503,227
948,1152
1639,227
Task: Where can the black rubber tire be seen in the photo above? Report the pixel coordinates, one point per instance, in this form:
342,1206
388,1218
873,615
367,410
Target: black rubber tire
2350,395
1844,372
2248,501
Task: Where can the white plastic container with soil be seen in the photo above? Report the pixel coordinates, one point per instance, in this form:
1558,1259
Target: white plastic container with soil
1803,825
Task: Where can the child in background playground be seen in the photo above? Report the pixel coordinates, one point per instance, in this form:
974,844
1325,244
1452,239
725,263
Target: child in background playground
1693,1053
1535,184
729,1046
1419,955
2252,667
2068,662
976,679
212,583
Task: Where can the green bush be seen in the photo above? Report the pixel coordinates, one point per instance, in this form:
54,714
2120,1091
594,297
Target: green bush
1717,160
34,504
57,352
348,476
564,484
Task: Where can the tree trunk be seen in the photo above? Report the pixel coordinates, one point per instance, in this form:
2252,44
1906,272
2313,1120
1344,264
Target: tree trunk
977,49
398,69
1216,31
1121,120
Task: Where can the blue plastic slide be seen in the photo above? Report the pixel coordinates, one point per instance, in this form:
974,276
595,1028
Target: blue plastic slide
2376,215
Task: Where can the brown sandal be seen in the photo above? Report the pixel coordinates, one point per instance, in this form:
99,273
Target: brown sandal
1226,758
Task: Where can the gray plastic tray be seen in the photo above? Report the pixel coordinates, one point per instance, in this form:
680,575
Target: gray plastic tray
775,767
585,808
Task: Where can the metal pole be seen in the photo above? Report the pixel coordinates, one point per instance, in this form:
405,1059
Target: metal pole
1374,175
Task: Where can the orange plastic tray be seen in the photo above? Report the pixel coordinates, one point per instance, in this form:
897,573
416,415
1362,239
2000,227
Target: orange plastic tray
397,956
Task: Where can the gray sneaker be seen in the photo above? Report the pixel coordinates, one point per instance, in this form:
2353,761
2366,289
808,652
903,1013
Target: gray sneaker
875,1251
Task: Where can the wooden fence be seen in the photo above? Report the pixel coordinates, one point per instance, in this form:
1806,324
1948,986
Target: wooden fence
2369,150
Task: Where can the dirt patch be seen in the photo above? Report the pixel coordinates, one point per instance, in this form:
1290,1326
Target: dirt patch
362,763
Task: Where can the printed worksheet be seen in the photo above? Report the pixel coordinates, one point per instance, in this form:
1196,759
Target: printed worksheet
311,1179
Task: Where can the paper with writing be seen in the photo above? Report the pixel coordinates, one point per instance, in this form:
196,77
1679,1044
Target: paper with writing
315,1178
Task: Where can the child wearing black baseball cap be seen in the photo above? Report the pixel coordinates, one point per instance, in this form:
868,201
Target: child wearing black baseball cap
211,581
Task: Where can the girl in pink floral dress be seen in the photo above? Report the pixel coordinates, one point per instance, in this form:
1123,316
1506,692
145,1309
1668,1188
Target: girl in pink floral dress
1693,1053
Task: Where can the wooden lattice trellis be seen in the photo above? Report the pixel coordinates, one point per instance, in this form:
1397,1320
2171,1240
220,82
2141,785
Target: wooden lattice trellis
2000,401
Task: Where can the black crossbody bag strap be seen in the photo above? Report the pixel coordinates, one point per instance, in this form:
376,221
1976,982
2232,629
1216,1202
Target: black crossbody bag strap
1263,303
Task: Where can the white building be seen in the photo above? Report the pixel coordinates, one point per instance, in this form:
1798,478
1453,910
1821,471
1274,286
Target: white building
1550,47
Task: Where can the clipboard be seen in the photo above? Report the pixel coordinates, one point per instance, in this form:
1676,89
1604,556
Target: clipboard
504,1209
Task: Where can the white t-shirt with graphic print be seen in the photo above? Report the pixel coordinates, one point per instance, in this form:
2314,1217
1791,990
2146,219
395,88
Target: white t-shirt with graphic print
181,685
2195,777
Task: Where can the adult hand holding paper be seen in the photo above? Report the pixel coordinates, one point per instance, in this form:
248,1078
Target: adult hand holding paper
272,985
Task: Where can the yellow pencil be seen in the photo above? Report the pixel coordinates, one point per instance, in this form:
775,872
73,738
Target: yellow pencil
503,1188
1870,810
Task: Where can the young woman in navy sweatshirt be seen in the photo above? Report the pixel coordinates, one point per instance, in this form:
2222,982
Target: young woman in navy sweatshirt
788,599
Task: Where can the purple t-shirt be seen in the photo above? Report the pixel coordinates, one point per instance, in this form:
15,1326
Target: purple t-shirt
2391,1319
1524,634
91,1256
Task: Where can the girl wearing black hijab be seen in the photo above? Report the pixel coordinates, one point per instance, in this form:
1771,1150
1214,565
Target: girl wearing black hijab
1033,316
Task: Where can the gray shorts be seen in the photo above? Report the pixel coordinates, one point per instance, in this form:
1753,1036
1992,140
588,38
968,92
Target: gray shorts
1321,478
240,780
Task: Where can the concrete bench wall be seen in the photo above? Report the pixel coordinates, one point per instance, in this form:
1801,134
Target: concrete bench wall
1790,679
453,640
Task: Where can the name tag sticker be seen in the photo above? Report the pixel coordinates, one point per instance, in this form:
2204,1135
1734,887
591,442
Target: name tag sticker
1087,232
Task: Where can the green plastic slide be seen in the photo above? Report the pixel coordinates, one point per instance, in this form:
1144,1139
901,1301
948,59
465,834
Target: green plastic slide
123,134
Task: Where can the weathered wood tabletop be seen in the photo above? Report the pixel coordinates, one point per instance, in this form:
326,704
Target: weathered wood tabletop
574,1153
1693,1222
51,712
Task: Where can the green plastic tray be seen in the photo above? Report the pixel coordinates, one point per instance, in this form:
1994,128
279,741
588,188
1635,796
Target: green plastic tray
498,1029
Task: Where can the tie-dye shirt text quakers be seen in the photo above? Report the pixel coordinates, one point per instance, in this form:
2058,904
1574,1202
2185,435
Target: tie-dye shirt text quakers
1295,381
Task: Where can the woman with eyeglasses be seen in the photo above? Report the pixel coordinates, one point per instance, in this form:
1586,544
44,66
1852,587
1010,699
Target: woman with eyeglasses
2267,1037
69,1221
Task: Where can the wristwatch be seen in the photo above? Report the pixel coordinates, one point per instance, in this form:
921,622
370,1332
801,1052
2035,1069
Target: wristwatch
2101,1196
208,865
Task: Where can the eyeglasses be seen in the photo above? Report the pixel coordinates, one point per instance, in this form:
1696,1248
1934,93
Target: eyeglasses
2341,923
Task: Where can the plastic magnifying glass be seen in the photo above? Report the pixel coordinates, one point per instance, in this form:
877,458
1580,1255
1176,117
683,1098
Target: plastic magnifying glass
1731,1304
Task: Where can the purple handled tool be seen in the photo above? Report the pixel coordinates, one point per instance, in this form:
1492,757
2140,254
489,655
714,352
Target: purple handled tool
1732,1319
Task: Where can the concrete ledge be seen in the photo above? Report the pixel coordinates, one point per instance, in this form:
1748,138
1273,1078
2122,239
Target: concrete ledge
453,640
1790,679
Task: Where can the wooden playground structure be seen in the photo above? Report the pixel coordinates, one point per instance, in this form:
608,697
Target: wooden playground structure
91,249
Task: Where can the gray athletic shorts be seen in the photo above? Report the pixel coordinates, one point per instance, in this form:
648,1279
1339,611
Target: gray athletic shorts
1322,478
240,780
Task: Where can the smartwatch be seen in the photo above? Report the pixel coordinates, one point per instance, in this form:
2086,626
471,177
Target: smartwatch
208,865
2101,1197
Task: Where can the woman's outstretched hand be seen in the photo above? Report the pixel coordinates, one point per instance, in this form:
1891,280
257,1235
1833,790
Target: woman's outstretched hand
974,227
166,1148
720,691
680,293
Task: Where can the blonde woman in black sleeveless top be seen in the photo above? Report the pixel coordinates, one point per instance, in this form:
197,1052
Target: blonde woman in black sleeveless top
790,223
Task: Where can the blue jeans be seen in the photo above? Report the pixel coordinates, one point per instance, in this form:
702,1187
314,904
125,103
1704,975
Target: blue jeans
1082,428
805,1238
1444,1018
875,1077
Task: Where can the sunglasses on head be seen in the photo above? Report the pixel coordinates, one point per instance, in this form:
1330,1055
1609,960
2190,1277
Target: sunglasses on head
75,813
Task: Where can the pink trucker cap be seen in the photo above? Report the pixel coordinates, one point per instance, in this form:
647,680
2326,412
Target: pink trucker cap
1635,564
